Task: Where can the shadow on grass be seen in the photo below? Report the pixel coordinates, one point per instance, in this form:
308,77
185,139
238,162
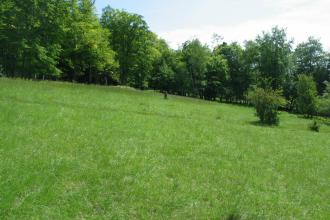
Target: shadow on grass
259,124
303,116
233,216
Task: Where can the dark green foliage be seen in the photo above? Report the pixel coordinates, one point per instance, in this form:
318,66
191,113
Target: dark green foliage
131,39
195,55
31,37
87,56
66,40
182,82
306,96
314,126
266,103
324,102
55,39
162,79
324,107
165,95
238,79
216,77
312,60
273,56
162,76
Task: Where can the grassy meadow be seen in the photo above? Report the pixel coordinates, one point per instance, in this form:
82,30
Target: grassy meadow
71,151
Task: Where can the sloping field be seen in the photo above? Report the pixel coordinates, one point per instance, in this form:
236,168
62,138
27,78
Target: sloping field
90,152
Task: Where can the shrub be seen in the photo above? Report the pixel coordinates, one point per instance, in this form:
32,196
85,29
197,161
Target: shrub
165,94
266,103
324,107
324,102
314,126
306,96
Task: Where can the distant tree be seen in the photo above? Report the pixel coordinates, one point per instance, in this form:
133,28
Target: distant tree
324,107
87,55
216,77
289,84
239,79
251,60
132,41
195,55
306,95
163,78
312,60
182,78
162,75
55,39
266,103
31,37
274,51
66,40
326,93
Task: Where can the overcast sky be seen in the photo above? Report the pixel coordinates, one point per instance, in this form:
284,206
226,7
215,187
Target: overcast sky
236,20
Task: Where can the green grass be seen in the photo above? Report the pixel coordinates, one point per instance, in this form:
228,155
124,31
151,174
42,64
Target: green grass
90,152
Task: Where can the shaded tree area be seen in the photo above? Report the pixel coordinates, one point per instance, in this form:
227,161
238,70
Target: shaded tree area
133,43
66,40
312,60
55,39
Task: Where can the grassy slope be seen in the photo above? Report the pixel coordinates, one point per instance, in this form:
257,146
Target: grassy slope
75,151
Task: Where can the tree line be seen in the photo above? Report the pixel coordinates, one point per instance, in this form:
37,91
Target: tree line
66,40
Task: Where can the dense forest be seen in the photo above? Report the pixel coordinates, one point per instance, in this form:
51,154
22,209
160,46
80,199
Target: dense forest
66,40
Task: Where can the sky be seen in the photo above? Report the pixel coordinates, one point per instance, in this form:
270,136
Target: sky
235,20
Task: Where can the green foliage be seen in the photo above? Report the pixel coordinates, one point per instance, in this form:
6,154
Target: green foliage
312,60
216,77
314,126
132,41
324,102
324,107
195,55
327,90
31,36
306,95
66,40
162,76
251,62
238,79
274,52
182,78
266,103
87,53
54,39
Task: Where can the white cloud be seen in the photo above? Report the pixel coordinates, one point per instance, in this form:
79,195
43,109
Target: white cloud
302,18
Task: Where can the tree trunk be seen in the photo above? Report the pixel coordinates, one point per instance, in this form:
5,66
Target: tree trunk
90,75
106,80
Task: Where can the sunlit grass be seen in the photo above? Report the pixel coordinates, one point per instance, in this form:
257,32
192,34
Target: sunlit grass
78,151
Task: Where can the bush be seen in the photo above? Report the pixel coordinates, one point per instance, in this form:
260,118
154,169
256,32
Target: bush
266,103
324,107
314,126
324,102
307,96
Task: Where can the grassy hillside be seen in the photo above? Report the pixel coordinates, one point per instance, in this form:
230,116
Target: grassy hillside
77,151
